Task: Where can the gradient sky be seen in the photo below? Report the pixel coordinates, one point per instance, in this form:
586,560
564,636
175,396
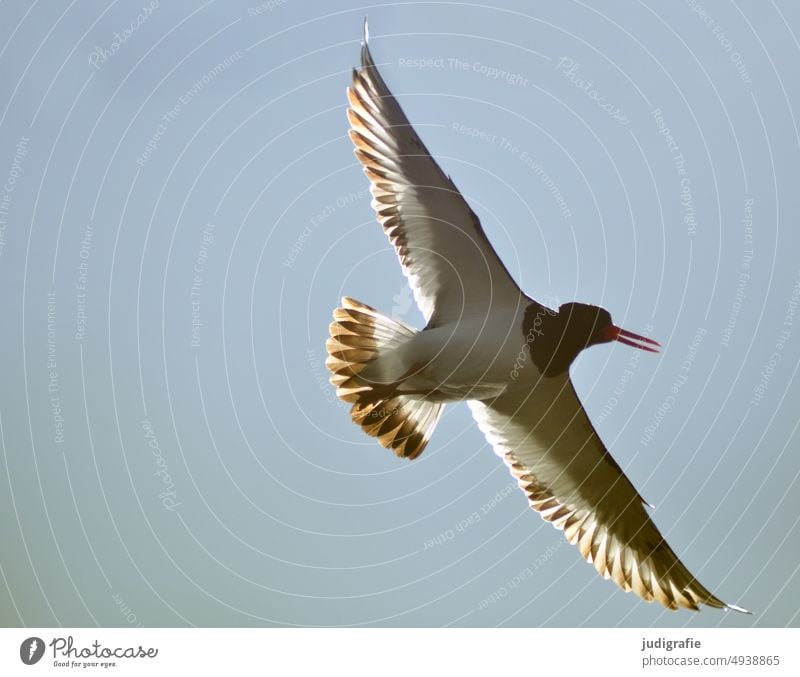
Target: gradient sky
181,211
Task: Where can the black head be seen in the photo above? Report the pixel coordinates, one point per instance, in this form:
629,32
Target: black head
595,324
576,326
588,324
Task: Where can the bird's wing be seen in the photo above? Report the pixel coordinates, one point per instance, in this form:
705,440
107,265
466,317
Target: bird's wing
574,483
449,262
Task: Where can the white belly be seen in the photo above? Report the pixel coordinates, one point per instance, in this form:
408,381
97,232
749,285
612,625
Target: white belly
474,360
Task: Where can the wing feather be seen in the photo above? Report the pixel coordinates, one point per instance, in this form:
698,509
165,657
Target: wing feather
450,264
574,483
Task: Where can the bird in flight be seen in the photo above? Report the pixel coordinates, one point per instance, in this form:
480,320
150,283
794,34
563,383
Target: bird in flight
489,344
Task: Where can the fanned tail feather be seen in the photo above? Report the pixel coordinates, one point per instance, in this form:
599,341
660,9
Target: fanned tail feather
358,335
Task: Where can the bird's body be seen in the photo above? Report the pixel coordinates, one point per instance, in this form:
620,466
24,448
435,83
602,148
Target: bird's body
489,344
471,358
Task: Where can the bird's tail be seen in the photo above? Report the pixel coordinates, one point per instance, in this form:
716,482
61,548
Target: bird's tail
358,335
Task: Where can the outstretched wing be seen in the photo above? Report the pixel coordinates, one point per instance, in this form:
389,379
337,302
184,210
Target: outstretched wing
450,264
574,483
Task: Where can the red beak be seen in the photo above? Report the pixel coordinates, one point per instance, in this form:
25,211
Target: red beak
614,333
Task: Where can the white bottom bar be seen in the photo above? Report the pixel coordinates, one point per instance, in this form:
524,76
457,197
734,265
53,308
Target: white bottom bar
406,652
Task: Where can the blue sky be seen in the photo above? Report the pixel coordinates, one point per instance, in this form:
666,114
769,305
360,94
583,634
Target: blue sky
181,211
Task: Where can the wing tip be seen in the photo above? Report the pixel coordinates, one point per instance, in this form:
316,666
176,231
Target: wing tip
366,55
736,607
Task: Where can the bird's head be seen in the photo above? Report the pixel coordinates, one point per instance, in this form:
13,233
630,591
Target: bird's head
556,339
589,325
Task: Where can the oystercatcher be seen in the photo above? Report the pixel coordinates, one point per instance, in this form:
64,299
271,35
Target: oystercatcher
488,343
